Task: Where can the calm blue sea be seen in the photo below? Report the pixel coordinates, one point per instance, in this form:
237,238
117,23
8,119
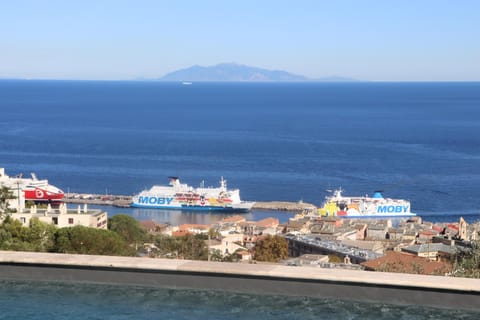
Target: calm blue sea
41,300
273,141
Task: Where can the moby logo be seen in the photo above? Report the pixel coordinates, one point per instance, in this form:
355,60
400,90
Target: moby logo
154,200
392,209
143,200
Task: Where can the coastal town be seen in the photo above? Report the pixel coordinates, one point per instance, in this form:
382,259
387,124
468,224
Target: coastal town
408,245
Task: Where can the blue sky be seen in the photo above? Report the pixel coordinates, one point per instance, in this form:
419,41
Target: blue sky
383,40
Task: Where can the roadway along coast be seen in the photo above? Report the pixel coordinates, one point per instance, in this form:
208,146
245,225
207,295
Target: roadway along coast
124,201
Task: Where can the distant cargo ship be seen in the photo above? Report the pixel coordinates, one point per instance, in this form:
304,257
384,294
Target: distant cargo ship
358,207
182,196
34,189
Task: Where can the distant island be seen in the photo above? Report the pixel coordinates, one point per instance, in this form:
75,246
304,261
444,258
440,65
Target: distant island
236,72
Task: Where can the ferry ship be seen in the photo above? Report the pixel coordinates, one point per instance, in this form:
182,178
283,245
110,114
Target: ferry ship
182,196
360,207
33,188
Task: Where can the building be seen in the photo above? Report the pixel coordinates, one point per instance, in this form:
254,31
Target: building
308,260
432,251
226,245
377,232
244,256
402,262
310,244
62,217
192,229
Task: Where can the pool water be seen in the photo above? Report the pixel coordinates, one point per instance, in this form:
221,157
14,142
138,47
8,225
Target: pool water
52,300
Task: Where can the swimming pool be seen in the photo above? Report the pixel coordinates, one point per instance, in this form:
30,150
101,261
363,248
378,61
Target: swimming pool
58,300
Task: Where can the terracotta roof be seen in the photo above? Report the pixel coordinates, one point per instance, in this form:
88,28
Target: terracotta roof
193,226
428,233
148,224
267,222
233,219
407,263
180,233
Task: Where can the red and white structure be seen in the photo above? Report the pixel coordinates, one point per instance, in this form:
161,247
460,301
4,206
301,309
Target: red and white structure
32,188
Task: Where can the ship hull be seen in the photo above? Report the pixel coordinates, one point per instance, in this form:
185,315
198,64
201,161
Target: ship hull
42,195
196,208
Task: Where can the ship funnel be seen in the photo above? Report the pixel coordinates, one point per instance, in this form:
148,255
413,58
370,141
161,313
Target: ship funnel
173,181
378,194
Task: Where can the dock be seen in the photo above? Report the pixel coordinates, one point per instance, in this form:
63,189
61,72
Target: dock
124,201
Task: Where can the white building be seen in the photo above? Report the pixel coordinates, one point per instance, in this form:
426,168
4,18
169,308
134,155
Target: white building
228,244
62,217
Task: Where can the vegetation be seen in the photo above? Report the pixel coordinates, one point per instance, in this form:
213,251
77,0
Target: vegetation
44,237
468,264
127,228
5,195
191,247
271,249
14,236
86,240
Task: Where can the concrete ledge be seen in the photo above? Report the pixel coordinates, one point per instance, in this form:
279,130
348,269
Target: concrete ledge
392,288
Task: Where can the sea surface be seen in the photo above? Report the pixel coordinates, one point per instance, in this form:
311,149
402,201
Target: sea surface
273,141
44,300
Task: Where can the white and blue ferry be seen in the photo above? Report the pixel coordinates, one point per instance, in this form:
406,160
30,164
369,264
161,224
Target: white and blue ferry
182,196
357,207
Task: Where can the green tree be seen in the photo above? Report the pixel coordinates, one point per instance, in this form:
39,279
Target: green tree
127,228
5,195
13,235
271,249
86,240
190,247
41,235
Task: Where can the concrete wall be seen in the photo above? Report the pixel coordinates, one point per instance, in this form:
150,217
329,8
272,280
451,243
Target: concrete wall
391,288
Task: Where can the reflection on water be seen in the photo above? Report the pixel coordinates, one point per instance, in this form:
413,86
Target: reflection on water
41,300
178,217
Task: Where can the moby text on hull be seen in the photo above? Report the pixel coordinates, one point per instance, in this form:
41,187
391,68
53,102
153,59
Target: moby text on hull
184,197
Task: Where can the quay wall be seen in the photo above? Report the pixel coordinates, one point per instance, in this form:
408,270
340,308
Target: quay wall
124,201
403,289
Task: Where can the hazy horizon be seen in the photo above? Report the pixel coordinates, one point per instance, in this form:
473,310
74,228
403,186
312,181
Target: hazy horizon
125,40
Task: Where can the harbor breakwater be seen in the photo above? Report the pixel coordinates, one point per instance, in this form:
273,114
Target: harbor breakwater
125,201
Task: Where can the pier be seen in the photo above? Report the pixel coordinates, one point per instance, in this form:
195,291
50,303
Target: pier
124,201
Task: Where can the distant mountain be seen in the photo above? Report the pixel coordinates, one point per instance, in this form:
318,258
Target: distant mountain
230,72
336,79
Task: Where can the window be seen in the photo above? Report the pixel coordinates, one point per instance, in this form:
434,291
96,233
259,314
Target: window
70,220
23,219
